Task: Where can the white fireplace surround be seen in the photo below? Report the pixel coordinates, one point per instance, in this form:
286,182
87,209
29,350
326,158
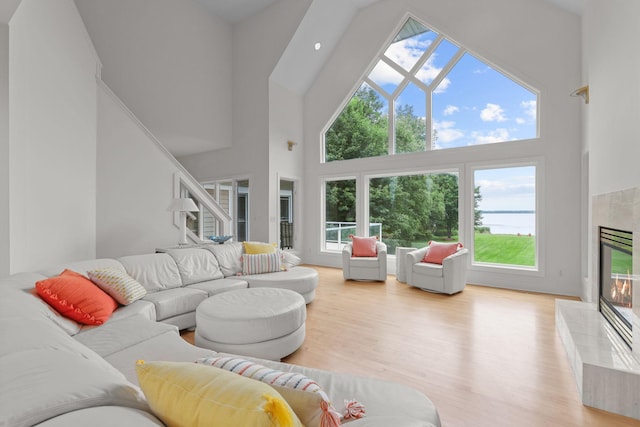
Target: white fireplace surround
607,372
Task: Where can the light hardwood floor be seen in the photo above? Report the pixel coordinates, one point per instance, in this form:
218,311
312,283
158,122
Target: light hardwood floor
485,357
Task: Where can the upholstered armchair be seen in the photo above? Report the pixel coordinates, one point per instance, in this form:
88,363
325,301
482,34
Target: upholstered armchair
365,267
449,277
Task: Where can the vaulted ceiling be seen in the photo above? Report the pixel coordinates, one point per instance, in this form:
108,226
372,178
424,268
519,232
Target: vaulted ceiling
236,10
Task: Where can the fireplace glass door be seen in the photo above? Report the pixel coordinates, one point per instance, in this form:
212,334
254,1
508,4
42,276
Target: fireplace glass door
616,283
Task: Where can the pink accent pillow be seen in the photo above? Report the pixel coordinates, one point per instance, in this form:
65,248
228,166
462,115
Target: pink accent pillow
76,297
439,251
364,246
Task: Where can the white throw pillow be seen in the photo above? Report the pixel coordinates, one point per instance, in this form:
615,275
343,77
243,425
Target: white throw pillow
260,263
290,260
310,403
122,287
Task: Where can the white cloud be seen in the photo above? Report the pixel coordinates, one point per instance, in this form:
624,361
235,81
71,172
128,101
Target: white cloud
407,52
520,120
447,132
497,135
450,109
383,74
442,87
493,113
530,108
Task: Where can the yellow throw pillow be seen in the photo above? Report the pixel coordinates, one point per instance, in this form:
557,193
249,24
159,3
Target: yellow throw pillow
310,403
253,248
188,394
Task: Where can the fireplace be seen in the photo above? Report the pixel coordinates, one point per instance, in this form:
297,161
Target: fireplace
616,280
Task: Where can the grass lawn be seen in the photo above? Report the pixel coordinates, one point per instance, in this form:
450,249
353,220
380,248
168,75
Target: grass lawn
500,248
505,249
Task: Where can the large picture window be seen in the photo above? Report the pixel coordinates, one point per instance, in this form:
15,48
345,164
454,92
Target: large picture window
505,220
410,210
340,213
424,93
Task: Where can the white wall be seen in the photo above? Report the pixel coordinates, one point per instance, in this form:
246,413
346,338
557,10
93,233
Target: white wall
52,69
258,43
285,124
170,62
612,70
134,184
534,41
4,150
611,34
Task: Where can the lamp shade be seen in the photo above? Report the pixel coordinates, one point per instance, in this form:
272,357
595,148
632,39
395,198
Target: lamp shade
183,205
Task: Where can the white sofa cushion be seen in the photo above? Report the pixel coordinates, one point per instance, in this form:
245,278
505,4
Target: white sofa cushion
196,265
229,256
40,384
173,302
104,416
20,302
303,280
213,287
118,335
153,271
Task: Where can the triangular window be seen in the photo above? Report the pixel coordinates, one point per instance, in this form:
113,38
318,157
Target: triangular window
425,93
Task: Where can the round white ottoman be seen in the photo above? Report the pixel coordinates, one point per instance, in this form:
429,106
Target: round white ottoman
268,323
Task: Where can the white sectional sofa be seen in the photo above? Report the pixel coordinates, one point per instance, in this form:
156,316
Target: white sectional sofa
178,280
56,372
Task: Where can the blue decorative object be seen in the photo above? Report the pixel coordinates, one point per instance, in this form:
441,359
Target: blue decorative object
219,239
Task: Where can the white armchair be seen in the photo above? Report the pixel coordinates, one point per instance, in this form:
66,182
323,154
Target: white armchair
364,268
448,278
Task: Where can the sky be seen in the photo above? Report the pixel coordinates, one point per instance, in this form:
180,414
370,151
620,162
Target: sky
472,104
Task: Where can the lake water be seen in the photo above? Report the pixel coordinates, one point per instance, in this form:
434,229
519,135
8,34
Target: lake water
510,223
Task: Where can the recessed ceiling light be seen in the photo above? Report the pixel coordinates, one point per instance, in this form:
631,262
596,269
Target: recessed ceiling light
317,46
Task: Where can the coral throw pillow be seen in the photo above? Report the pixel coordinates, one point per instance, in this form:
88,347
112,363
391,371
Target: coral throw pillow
439,251
364,246
76,297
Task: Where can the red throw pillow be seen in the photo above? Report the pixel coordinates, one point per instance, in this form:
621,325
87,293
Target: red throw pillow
76,297
364,246
439,251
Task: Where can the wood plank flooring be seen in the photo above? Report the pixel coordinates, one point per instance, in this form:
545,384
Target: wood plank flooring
485,357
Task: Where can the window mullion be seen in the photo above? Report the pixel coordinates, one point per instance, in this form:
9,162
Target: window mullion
445,70
425,56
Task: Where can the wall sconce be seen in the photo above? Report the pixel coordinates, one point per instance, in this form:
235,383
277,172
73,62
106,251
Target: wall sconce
583,92
290,145
182,206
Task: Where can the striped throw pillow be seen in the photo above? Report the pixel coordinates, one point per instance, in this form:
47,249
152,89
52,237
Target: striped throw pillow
310,403
122,287
260,263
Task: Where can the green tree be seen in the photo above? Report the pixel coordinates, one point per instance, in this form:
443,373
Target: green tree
447,185
341,201
477,213
360,130
410,130
412,207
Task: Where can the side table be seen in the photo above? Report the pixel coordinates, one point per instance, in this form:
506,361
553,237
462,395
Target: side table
401,263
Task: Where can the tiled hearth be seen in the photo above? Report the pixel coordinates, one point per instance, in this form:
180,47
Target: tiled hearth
607,372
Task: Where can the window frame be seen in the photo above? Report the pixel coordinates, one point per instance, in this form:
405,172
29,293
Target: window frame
538,269
410,77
